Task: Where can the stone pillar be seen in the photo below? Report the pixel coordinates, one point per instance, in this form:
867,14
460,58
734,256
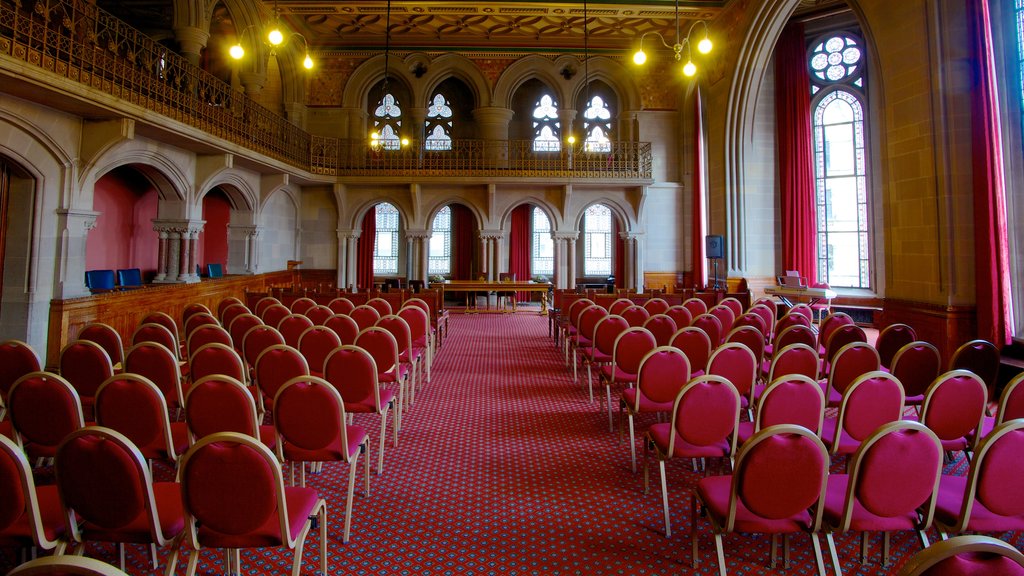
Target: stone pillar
252,252
73,228
492,122
571,250
252,82
242,249
417,128
566,118
565,261
633,266
490,243
341,277
418,252
192,40
161,265
353,260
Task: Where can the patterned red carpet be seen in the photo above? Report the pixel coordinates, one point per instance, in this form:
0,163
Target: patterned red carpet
504,467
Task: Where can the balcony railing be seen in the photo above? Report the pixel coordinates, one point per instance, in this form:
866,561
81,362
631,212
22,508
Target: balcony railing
77,41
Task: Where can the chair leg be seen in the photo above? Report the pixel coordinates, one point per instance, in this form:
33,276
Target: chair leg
632,441
721,554
924,538
832,552
323,538
366,466
773,551
300,544
608,397
664,499
693,531
885,549
864,546
590,384
818,559
193,561
785,551
351,492
172,560
152,556
383,437
120,554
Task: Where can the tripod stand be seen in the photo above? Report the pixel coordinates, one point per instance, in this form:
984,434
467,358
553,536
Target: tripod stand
715,262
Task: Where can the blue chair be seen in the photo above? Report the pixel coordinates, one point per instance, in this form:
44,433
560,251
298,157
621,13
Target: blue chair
99,280
215,270
129,278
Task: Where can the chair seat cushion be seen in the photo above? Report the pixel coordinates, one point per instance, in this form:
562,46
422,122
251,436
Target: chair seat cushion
714,491
659,434
300,502
629,396
861,520
366,406
950,501
619,374
169,508
847,445
19,534
332,452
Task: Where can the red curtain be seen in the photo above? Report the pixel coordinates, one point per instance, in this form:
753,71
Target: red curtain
463,240
700,269
619,254
364,260
519,246
795,145
992,267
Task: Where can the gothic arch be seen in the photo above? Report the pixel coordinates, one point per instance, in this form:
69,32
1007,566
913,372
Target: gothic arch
368,74
534,66
237,189
449,200
171,183
614,75
360,212
618,211
550,211
288,191
456,66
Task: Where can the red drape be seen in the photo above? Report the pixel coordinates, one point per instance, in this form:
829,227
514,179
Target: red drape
463,241
519,246
618,256
700,269
795,146
364,261
992,267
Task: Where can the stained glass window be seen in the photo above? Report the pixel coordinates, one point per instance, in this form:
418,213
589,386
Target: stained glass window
597,124
439,256
546,128
385,247
387,122
597,241
543,246
439,124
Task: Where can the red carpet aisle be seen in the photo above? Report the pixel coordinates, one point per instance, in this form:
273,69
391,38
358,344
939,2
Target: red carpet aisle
505,468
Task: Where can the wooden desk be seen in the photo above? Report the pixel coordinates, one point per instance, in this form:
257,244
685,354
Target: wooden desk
485,286
813,295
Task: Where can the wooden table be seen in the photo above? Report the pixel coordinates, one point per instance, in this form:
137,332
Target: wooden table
813,295
486,286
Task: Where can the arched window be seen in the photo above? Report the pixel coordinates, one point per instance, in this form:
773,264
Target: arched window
546,127
385,246
543,257
597,241
597,124
387,122
439,257
439,124
840,163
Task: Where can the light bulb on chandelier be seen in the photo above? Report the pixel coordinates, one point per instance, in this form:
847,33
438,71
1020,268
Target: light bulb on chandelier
704,46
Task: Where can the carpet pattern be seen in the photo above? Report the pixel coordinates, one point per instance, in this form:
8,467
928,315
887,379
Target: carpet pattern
505,467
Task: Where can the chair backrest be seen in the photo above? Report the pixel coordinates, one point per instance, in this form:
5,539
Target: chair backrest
974,554
656,306
635,315
630,347
382,345
44,409
99,280
262,304
419,303
419,323
781,471
791,399
86,365
696,306
220,403
706,412
274,313
292,326
852,361
353,372
726,317
277,365
795,334
767,316
750,337
830,323
309,416
230,312
155,362
207,334
106,337
841,336
217,359
225,303
803,310
663,373
241,325
319,314
399,328
165,320
16,359
873,399
798,359
680,315
980,357
696,344
1011,401
129,278
215,270
365,316
158,333
588,320
198,319
663,327
256,340
753,320
770,303
134,406
301,305
619,304
916,365
891,339
19,508
382,306
736,363
106,487
791,319
66,566
606,331
570,312
344,326
732,304
996,477
190,309
711,326
315,343
954,405
341,306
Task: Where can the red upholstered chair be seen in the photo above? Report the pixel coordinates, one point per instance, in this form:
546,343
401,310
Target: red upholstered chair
193,309
108,339
873,399
567,325
663,373
216,404
225,303
680,315
16,359
916,365
663,327
239,326
30,516
344,326
109,495
803,310
795,359
599,354
85,365
656,306
750,337
275,366
726,317
619,305
696,344
422,342
44,409
273,314
631,345
341,306
408,355
352,371
635,315
256,340
893,475
206,334
66,566
165,320
954,408
262,304
767,315
732,304
975,555
982,358
158,364
152,332
705,415
737,364
301,305
319,314
315,343
828,325
134,406
852,361
696,306
1011,405
777,488
365,316
789,399
234,497
292,326
309,416
199,319
796,334
711,326
582,338
891,339
383,346
217,359
382,306
792,319
841,336
755,321
991,497
231,313
770,303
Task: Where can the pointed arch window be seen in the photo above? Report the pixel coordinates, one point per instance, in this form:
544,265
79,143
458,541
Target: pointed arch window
385,246
439,123
597,241
387,122
546,127
439,258
543,249
597,124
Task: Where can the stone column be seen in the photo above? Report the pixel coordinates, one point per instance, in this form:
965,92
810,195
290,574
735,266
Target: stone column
571,257
191,40
418,252
493,124
417,121
353,260
161,266
632,265
491,245
252,82
566,118
341,275
565,261
73,228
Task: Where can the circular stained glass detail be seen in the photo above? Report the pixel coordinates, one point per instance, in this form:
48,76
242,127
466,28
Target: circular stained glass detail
836,59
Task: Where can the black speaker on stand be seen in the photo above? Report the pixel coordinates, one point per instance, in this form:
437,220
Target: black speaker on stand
714,247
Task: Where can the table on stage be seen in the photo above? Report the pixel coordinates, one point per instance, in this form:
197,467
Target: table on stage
488,286
813,295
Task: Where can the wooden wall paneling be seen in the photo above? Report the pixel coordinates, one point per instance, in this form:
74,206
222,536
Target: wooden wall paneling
947,327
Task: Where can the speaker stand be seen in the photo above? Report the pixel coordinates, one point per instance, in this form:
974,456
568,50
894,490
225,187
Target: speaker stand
715,262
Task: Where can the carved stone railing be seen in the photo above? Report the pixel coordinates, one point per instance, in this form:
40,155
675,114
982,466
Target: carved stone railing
74,40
